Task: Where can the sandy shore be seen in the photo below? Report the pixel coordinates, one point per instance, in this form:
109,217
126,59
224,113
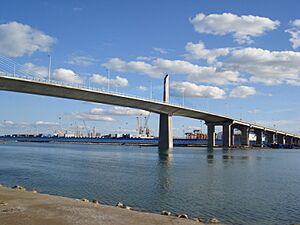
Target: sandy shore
19,207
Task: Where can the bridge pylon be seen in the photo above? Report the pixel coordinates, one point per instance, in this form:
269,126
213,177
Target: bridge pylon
165,124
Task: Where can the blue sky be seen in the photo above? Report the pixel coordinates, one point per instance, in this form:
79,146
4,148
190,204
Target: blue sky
236,58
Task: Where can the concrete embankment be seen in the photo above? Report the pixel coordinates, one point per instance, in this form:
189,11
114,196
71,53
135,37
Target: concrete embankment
20,207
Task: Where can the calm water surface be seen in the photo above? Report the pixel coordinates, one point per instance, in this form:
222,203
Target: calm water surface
237,187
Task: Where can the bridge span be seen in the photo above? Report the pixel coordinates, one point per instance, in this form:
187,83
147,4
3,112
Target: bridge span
9,82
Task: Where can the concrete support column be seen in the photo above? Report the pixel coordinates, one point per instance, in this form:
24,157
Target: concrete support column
259,137
232,136
270,138
288,140
227,135
165,132
245,136
280,139
296,141
211,135
292,140
165,143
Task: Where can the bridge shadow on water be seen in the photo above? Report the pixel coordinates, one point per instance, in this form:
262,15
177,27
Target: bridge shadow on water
164,163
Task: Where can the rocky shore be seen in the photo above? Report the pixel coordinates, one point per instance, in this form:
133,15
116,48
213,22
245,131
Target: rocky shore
21,207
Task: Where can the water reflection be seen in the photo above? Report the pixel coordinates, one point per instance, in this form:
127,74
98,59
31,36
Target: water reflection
210,155
226,154
166,152
163,170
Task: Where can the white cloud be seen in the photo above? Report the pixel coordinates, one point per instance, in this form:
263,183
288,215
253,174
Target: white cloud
293,82
264,66
242,92
243,27
95,114
118,111
198,51
160,50
158,67
66,75
188,89
16,125
17,39
37,71
216,76
142,88
132,66
92,117
46,123
61,74
117,82
296,23
254,111
295,33
145,58
8,122
80,60
124,111
77,9
100,114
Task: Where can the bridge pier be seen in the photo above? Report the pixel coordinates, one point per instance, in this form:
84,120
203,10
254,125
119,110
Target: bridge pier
227,134
245,130
165,133
211,135
270,136
259,137
227,137
280,139
232,136
245,136
165,143
288,140
296,141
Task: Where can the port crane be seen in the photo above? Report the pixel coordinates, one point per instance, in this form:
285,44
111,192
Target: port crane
88,132
143,130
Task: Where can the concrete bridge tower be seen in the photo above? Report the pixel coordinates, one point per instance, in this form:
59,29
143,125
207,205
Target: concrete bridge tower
165,123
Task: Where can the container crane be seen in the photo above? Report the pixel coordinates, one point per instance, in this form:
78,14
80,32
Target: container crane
143,130
88,133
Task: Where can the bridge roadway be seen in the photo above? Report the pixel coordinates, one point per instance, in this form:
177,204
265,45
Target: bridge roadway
56,89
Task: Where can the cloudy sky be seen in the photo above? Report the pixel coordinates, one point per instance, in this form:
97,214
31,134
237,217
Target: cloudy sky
236,58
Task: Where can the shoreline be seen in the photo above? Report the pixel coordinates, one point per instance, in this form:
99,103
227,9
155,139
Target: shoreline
18,206
137,142
103,143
